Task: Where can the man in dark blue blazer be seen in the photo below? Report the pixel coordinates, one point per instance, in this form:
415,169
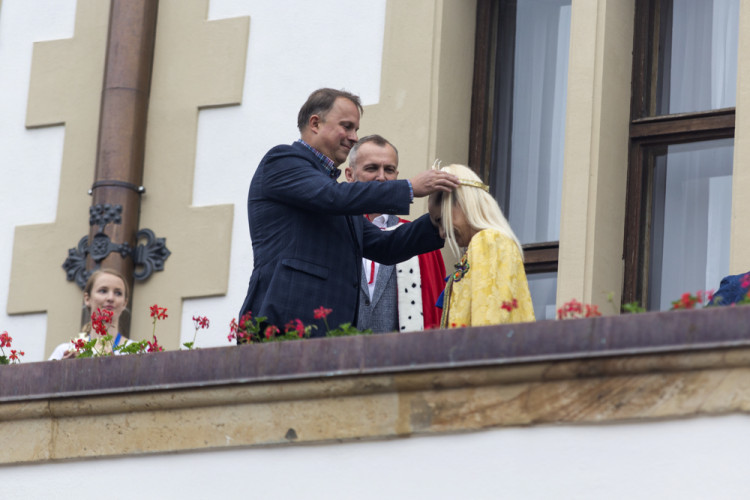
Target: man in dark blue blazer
307,229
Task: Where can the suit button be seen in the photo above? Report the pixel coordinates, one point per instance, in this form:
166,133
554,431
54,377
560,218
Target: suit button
367,302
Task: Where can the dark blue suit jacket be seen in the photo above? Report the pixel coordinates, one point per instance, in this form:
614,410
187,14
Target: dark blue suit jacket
730,291
309,236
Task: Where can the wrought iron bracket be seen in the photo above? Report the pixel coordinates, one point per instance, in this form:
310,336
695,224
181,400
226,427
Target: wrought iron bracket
147,258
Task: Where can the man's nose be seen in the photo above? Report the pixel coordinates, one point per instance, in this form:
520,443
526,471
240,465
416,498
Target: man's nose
381,175
353,136
441,231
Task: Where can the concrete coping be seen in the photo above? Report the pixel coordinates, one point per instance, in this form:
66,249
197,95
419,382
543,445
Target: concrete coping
644,334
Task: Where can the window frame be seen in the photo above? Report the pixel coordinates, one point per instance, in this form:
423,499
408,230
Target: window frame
540,257
647,131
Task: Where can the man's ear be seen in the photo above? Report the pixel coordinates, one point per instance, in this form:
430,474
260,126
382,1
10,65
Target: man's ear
314,123
349,174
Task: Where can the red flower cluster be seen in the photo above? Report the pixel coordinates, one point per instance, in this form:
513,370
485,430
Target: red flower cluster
153,346
5,341
233,327
243,330
158,312
745,281
200,322
574,309
258,329
99,321
271,331
295,325
321,312
509,305
690,301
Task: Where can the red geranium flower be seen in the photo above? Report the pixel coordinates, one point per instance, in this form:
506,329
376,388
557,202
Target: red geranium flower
200,322
153,346
100,319
592,311
322,312
158,312
295,325
271,331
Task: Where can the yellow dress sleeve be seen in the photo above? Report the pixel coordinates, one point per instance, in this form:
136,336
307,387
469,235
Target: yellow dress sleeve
495,277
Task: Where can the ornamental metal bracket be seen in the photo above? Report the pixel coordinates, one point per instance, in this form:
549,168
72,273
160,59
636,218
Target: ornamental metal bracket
151,256
147,258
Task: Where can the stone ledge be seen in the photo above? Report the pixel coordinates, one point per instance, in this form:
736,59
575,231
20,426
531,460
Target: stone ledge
634,368
545,341
374,407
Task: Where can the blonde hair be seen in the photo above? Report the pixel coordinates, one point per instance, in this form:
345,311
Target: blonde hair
479,207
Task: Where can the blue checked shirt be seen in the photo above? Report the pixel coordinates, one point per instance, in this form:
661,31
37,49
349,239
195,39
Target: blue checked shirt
334,172
327,163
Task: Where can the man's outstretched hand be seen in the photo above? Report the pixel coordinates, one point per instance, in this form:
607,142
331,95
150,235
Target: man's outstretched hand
431,181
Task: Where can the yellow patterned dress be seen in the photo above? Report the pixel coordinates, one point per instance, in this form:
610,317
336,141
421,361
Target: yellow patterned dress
489,285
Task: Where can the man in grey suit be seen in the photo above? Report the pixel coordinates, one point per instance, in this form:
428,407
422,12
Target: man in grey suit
399,297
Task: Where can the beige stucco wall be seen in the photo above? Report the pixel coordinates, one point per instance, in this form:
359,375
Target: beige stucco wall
596,152
187,76
425,97
739,258
65,88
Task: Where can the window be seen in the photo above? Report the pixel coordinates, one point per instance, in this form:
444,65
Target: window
681,147
518,125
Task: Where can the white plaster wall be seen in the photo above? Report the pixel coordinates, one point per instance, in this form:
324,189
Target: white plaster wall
689,459
30,160
295,47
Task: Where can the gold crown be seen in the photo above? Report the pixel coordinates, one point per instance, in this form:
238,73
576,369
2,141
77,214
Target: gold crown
476,184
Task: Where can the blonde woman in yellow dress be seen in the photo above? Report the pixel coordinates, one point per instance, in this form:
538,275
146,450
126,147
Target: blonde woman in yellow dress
489,284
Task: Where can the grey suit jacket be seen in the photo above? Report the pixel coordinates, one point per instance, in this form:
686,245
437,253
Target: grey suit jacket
379,313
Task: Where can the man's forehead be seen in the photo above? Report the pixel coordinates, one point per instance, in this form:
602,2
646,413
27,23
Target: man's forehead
346,106
371,149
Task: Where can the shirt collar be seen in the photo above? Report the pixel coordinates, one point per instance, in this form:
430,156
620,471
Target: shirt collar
381,221
326,162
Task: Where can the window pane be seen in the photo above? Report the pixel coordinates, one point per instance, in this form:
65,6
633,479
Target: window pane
698,69
543,288
528,151
691,214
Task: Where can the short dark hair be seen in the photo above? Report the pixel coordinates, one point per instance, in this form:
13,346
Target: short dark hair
320,103
375,138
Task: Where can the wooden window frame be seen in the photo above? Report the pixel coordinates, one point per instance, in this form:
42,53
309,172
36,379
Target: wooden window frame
538,257
648,131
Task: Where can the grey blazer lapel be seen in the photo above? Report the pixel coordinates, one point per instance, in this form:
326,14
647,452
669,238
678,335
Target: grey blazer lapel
363,282
384,275
384,272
